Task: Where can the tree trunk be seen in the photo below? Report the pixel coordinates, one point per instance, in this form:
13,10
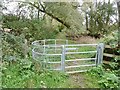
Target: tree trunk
118,6
86,17
38,12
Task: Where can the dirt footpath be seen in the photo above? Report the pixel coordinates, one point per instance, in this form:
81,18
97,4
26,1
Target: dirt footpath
81,80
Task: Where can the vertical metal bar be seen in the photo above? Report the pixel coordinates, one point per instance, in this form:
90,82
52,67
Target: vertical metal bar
33,55
63,58
44,56
101,52
100,49
98,55
44,47
96,60
55,46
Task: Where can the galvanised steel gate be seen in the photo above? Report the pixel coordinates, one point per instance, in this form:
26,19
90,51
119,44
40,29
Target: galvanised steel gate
58,54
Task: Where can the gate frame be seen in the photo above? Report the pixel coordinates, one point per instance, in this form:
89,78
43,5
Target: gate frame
98,60
64,48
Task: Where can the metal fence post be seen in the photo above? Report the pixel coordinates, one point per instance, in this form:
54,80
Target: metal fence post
63,58
55,46
44,56
100,50
33,53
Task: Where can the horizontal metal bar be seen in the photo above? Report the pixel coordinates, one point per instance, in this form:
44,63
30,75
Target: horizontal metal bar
80,59
33,50
53,54
59,45
53,45
37,41
71,49
81,45
53,62
80,52
49,39
80,66
76,71
47,49
54,69
44,53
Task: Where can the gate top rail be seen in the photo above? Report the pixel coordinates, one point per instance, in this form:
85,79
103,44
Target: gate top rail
58,45
43,43
46,40
82,45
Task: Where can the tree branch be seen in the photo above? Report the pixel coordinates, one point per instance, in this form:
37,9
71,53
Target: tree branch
51,15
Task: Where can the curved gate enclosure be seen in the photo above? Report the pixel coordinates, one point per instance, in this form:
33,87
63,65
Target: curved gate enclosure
58,54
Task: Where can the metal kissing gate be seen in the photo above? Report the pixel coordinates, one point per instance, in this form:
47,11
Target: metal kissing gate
57,54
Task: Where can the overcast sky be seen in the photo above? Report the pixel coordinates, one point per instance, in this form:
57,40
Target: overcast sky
12,5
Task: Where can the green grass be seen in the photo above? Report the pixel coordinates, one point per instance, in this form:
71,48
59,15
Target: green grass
20,75
16,76
91,81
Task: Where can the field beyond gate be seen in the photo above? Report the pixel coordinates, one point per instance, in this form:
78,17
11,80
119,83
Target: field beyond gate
70,58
